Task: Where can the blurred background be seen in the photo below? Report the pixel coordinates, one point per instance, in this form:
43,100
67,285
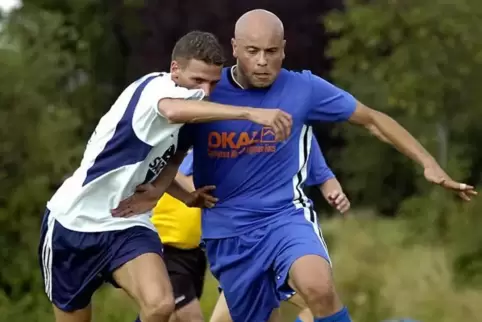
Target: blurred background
406,250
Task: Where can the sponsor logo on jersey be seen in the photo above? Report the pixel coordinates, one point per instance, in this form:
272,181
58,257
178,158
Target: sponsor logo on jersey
234,144
159,163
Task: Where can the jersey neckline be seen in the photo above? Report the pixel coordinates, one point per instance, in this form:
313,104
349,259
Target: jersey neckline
235,84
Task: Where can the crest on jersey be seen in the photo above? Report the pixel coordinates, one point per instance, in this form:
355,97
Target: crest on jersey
159,163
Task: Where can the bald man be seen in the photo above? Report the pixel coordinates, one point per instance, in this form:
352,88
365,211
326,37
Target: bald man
261,238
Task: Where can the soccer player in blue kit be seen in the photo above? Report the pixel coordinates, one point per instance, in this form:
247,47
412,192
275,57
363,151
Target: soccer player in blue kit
260,238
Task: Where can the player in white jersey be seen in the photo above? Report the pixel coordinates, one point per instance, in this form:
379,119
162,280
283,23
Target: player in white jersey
82,243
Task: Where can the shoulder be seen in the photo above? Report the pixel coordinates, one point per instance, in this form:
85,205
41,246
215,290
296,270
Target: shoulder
299,75
224,82
301,79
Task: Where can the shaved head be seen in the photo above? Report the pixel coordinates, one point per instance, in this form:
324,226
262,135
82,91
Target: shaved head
258,21
258,46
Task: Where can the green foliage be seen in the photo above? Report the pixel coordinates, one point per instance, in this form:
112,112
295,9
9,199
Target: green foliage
420,62
35,124
381,273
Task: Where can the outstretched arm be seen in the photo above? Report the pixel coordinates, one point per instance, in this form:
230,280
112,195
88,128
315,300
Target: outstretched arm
192,111
333,104
390,131
158,96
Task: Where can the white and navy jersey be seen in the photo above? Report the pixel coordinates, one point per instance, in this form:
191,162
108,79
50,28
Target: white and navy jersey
130,146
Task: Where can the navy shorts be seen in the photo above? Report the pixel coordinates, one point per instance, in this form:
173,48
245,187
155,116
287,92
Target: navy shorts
75,264
252,269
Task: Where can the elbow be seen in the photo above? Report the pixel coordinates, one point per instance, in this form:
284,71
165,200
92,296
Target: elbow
170,111
371,120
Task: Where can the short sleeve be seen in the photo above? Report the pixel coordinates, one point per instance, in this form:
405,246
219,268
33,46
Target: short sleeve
328,102
318,170
162,86
149,125
186,166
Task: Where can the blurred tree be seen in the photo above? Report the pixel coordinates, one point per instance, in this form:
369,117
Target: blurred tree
97,36
38,146
420,62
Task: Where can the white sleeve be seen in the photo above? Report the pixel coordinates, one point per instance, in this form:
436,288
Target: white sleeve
149,125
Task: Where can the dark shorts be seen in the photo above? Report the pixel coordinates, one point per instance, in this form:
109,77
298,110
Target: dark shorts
75,264
187,269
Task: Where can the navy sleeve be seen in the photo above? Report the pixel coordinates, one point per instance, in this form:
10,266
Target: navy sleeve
186,166
185,137
318,170
328,102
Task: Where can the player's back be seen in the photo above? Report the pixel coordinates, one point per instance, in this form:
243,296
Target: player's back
130,146
257,179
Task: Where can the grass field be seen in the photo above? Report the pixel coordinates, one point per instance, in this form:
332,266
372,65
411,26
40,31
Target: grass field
114,305
378,274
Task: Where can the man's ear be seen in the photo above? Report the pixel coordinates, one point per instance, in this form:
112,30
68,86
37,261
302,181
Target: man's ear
235,47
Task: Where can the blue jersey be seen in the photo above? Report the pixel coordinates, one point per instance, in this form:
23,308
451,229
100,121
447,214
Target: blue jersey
318,170
258,180
186,167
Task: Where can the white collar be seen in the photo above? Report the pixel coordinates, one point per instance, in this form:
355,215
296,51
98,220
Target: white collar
233,68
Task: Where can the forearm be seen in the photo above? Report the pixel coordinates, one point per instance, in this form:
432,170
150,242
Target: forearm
185,182
389,131
401,139
179,192
376,132
190,111
329,186
166,177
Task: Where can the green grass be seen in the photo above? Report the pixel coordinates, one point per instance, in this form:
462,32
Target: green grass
380,273
114,305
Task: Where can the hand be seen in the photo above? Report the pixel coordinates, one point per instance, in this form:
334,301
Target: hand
143,200
339,201
436,175
281,122
201,198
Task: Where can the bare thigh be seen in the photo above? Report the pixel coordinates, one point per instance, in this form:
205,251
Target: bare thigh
83,315
190,312
145,279
221,312
305,313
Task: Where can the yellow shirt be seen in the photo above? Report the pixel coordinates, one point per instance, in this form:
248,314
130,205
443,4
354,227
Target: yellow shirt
177,224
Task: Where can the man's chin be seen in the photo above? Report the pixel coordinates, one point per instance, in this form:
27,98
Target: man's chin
261,84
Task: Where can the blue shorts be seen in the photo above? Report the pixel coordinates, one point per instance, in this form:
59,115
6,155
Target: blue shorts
252,269
75,264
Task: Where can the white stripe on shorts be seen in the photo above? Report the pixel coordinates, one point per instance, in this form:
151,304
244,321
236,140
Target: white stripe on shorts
47,257
312,217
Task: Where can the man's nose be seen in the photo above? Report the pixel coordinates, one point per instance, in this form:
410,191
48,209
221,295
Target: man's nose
262,59
206,88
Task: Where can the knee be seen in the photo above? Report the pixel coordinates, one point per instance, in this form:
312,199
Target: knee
190,317
321,293
157,307
190,313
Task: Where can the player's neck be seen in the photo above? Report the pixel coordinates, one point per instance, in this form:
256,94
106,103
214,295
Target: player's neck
239,78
